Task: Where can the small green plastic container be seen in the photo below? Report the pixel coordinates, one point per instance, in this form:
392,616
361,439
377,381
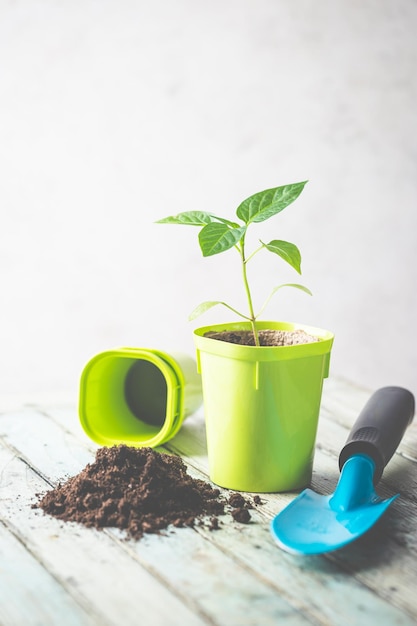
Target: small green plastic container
137,396
262,407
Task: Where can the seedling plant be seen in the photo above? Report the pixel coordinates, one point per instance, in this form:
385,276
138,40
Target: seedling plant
218,234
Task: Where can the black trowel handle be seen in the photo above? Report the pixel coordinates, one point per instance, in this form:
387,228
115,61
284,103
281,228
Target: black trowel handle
380,427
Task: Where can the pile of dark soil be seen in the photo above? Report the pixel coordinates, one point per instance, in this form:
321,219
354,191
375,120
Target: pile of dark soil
140,491
266,337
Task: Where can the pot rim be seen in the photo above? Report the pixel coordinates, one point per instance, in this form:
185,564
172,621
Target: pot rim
263,353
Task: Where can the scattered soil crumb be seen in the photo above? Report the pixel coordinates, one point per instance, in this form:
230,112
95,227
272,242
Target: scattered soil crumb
241,515
266,337
240,507
257,500
140,491
237,501
214,523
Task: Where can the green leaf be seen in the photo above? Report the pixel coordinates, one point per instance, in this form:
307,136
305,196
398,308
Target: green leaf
205,306
215,238
287,251
202,308
264,204
296,286
273,292
188,218
224,221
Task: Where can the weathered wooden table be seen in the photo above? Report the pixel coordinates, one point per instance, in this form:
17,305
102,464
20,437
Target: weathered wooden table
57,573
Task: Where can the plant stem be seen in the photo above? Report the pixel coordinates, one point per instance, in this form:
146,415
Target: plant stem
245,317
252,316
253,253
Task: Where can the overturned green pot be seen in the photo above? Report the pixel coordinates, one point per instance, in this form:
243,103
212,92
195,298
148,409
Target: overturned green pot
262,407
137,396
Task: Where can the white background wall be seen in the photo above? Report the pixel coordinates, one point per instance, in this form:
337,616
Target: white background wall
116,113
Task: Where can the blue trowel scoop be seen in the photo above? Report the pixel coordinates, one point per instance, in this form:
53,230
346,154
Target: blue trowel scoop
312,524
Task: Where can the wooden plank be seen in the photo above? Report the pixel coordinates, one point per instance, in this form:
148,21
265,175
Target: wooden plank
277,568
29,594
87,563
343,402
228,592
316,585
196,570
401,471
396,528
396,531
388,573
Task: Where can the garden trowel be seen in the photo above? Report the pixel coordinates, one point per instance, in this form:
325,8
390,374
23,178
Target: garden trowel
312,523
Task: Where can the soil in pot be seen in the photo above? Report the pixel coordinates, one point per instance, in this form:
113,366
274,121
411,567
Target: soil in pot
266,337
140,491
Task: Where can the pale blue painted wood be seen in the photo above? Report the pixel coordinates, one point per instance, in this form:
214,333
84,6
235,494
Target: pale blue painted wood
189,568
236,573
29,594
89,563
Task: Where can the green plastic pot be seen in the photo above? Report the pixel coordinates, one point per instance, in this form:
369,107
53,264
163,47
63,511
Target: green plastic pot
262,407
137,396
